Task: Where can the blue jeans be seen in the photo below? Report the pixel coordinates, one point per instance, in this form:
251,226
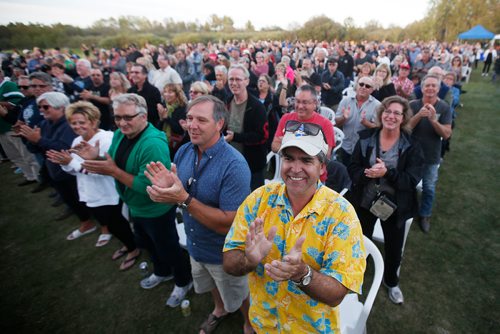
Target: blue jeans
429,180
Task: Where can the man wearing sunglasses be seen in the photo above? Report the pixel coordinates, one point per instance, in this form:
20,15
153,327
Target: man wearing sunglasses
356,113
287,237
306,103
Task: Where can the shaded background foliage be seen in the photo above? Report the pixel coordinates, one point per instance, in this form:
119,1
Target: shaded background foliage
444,20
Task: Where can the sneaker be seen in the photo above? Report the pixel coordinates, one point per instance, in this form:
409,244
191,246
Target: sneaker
396,295
425,224
153,280
178,295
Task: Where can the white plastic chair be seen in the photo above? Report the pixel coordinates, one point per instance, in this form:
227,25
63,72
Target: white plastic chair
277,165
339,138
327,113
180,231
353,313
466,71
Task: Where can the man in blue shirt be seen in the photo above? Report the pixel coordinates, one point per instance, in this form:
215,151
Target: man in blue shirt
212,180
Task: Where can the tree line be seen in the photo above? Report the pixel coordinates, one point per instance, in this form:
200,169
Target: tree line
444,20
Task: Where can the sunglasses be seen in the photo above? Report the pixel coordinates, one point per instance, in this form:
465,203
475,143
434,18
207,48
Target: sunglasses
194,92
44,106
24,87
38,86
309,129
362,84
126,118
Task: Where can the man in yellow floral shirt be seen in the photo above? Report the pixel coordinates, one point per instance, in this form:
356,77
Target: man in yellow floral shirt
300,242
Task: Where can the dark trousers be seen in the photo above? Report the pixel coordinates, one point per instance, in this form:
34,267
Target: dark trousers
344,157
68,191
159,236
111,216
393,242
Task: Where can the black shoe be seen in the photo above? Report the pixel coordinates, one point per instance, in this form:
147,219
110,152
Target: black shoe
26,183
40,187
67,213
425,224
57,202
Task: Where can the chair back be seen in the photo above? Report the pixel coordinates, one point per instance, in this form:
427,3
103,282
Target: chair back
339,138
271,156
353,313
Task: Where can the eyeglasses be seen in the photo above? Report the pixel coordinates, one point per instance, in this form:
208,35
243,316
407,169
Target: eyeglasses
303,102
309,129
395,113
44,106
38,86
362,84
126,118
24,87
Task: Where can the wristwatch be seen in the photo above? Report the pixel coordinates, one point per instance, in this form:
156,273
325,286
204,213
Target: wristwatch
306,280
184,205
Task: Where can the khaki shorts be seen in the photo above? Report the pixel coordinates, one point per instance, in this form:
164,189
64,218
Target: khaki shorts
232,289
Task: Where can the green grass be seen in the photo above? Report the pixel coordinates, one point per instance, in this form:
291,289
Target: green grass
449,277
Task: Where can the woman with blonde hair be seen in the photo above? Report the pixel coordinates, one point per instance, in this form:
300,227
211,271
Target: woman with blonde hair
171,113
385,87
97,191
118,84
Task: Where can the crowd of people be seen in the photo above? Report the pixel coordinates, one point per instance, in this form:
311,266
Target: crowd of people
128,137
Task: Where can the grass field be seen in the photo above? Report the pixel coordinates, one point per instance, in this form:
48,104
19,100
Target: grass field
449,277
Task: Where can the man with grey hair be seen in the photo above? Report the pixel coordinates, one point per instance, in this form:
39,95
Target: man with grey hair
209,196
247,126
431,122
166,74
356,113
135,144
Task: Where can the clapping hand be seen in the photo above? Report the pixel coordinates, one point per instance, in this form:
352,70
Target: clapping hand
378,170
166,187
257,245
61,158
86,151
291,268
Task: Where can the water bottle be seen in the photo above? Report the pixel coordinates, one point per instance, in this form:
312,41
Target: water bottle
185,308
143,267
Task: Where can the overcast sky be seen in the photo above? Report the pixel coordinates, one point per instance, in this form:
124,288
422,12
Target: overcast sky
285,14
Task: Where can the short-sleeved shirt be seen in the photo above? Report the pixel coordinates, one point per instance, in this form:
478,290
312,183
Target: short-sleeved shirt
333,246
353,124
221,180
424,132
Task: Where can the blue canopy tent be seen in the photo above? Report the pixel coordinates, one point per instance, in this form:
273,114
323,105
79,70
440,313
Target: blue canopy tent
478,32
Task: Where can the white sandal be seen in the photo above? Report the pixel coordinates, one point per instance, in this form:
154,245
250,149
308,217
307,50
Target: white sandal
77,234
103,240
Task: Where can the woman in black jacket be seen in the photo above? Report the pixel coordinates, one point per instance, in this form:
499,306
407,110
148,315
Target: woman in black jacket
387,159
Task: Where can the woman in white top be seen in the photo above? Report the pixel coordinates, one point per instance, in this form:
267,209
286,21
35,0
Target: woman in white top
97,191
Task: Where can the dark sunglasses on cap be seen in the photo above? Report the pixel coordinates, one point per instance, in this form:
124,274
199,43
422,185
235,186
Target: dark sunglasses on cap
309,129
362,84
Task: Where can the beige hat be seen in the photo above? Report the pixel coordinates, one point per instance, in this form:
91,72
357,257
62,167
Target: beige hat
301,138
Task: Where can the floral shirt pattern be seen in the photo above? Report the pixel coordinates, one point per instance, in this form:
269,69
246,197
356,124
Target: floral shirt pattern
333,246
